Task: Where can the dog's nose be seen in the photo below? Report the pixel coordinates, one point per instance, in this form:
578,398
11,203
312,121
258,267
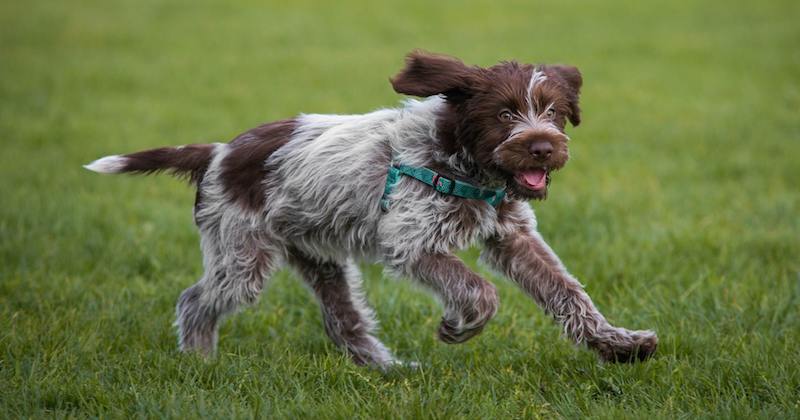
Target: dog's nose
541,150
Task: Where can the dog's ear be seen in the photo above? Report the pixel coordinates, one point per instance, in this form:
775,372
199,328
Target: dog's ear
427,74
572,76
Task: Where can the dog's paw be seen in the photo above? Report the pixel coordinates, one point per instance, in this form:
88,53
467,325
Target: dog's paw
623,346
449,332
467,318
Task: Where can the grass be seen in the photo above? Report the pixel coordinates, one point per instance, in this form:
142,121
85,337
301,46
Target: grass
679,209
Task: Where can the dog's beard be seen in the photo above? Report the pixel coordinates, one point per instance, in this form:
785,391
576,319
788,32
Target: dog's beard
534,186
497,178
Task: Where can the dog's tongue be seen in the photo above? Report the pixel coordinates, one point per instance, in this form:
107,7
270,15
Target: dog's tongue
535,179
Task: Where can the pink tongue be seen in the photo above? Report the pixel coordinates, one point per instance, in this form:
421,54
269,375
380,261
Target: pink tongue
535,179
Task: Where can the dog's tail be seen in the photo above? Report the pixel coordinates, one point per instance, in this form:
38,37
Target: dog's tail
189,161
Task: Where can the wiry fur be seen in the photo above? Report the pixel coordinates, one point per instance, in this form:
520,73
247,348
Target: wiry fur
305,193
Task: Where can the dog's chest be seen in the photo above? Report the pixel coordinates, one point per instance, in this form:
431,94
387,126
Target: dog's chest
468,221
425,221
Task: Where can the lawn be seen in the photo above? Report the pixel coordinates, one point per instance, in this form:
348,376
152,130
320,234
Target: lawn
679,210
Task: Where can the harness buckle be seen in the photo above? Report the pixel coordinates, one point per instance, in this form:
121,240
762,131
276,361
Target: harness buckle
438,183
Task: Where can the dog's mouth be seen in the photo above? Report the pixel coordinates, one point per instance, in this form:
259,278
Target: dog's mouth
534,179
532,183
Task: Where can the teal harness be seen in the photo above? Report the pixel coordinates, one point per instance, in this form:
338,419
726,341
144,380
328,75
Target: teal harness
440,183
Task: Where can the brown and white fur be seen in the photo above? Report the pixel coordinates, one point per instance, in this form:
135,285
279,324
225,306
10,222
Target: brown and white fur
305,193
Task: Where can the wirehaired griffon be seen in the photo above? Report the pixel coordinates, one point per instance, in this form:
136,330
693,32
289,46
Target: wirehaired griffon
406,187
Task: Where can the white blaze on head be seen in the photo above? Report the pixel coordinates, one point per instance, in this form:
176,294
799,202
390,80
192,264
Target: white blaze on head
537,77
530,120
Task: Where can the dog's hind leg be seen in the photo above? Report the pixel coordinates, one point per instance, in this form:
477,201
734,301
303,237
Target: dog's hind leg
236,269
349,322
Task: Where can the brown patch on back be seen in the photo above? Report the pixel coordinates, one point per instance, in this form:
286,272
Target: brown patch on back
243,171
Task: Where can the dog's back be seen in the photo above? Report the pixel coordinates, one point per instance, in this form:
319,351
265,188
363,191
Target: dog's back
313,181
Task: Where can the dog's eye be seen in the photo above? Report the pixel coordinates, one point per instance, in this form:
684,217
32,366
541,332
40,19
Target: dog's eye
506,115
550,113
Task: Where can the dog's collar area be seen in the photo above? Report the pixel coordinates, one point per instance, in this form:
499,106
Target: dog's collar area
440,183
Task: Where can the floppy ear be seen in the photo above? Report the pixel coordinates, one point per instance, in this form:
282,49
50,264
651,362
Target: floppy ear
572,76
427,74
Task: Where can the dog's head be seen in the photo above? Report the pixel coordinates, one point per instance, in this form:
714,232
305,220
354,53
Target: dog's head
509,118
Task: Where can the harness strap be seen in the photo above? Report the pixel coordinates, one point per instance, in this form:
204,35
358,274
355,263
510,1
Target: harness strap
440,183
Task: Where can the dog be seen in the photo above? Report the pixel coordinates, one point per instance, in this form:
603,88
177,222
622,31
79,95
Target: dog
405,187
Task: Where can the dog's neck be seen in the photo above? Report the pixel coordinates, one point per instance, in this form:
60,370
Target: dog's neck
434,143
454,156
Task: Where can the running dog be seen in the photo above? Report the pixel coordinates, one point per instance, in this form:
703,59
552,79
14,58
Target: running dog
405,187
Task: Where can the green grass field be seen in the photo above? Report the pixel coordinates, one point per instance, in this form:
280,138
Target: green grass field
678,210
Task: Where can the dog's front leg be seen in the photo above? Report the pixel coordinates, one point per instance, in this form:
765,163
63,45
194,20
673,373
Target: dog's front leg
524,257
469,300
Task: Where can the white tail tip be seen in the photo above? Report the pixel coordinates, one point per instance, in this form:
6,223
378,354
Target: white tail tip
108,165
